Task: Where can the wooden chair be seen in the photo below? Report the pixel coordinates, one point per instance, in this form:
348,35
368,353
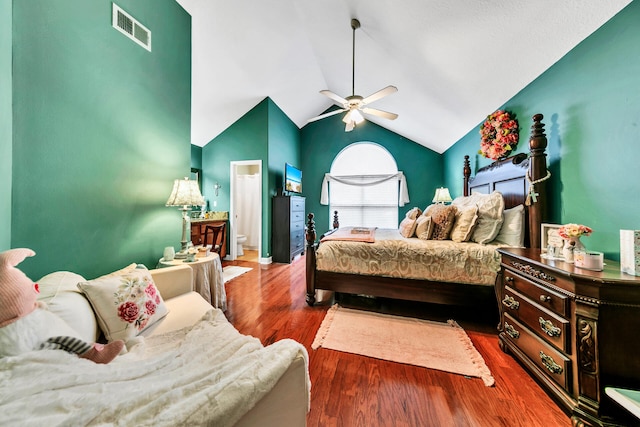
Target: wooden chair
216,242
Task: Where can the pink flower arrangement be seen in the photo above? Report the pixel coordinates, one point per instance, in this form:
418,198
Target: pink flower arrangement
498,135
570,231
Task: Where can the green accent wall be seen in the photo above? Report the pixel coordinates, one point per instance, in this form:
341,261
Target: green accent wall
324,139
101,129
6,123
264,133
592,115
196,157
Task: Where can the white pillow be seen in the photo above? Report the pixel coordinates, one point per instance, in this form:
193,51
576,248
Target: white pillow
125,305
512,230
59,291
490,211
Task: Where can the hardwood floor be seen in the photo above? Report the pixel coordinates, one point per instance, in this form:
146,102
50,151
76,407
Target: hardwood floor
348,390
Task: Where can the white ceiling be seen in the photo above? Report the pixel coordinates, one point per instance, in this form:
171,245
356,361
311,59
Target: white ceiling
453,62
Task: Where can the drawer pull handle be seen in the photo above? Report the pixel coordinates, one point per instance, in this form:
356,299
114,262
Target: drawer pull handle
511,303
511,331
545,298
548,328
550,364
508,279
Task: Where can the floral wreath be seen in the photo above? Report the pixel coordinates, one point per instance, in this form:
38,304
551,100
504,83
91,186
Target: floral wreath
498,135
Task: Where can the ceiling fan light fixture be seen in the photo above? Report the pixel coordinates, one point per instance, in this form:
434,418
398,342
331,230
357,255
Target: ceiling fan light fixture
354,104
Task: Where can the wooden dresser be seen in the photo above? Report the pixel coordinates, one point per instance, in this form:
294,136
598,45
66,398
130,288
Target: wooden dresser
575,330
197,233
288,228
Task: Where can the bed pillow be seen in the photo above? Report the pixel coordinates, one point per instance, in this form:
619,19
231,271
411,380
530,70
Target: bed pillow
59,291
125,305
424,227
443,217
490,211
464,224
408,225
512,230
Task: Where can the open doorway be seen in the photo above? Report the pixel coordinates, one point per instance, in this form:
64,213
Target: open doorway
245,212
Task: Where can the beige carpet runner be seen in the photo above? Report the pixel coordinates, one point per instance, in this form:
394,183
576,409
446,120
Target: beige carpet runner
442,346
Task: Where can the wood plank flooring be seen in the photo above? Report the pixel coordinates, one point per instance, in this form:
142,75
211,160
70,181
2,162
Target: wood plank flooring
348,390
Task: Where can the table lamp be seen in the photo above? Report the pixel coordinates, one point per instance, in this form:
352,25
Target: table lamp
442,196
185,193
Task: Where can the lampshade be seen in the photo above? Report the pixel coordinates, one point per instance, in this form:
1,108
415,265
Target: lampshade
442,195
185,193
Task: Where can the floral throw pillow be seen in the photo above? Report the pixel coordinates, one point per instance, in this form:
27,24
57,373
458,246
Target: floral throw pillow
125,305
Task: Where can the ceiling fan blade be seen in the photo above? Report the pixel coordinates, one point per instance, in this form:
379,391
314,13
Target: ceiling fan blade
339,101
379,94
325,115
380,113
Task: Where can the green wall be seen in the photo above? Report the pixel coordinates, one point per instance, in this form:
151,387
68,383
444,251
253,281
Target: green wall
6,123
591,103
264,133
324,139
101,129
246,139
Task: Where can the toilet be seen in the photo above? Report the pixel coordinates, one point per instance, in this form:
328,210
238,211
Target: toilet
240,239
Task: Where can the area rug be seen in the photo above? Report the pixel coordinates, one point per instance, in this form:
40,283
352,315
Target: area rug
442,346
230,272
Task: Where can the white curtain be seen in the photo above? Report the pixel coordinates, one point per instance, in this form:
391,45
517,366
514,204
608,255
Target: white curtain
403,195
247,214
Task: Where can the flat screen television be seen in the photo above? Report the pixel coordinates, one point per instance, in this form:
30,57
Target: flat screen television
292,179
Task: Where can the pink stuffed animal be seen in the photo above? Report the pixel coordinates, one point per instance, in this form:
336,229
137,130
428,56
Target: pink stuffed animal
26,325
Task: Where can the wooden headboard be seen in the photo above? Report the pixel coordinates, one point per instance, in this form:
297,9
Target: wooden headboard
510,177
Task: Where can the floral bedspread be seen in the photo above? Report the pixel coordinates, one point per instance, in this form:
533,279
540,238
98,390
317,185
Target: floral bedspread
395,256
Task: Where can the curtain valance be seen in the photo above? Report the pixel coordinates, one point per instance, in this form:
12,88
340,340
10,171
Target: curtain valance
363,181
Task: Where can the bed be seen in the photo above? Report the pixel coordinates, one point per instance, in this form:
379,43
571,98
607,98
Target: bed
521,181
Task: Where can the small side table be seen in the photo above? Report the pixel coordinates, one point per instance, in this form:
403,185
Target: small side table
207,278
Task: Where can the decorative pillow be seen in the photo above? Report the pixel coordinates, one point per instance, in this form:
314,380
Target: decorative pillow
125,270
424,227
512,230
443,217
490,210
466,218
408,225
125,305
59,290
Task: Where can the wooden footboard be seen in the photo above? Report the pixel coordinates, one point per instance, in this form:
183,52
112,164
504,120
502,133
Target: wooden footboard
521,180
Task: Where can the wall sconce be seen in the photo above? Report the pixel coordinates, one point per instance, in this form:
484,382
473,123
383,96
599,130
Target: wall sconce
216,187
442,196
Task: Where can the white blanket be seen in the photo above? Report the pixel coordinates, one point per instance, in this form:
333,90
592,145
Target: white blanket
205,375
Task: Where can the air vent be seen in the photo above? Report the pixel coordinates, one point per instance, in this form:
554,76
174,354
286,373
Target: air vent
131,28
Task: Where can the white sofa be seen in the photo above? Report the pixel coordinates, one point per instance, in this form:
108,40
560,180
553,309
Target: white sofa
284,400
286,404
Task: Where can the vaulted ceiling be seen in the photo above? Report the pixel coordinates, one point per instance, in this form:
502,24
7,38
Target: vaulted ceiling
453,62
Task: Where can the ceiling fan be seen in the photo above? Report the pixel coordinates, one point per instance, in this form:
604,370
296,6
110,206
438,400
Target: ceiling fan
355,105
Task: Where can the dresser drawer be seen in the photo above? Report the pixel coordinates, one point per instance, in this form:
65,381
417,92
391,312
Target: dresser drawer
297,241
553,363
544,276
549,326
296,226
297,204
554,301
297,217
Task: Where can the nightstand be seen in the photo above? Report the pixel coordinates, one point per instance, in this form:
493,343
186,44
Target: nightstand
575,330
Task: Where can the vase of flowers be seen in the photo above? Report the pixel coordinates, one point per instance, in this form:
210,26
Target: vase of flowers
571,234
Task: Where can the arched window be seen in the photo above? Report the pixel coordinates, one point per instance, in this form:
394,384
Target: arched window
365,187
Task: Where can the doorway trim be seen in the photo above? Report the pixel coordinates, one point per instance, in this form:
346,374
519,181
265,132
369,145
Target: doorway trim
233,232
